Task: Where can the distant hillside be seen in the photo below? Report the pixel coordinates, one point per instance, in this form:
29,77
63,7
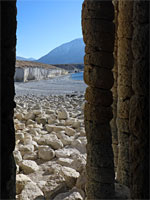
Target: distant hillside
67,67
71,67
22,58
24,64
68,53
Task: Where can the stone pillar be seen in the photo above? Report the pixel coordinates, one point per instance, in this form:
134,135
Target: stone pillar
124,87
139,103
8,58
98,34
114,91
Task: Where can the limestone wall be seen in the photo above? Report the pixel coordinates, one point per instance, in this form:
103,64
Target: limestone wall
36,73
139,103
124,90
98,34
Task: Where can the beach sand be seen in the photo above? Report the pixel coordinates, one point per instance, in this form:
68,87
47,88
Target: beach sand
56,86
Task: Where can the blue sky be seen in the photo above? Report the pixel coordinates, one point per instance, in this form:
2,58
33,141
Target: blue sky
43,25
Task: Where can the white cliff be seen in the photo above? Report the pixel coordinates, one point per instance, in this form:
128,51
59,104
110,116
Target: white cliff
36,73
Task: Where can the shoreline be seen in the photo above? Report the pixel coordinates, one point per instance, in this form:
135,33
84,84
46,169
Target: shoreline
55,86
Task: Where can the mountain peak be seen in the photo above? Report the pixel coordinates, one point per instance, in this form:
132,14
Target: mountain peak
68,53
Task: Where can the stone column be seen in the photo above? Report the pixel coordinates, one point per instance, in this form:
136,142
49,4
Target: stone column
114,91
139,103
8,59
124,87
98,34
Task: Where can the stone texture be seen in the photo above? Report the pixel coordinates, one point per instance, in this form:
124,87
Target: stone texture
21,181
45,152
28,166
31,191
98,77
71,195
70,175
98,34
124,60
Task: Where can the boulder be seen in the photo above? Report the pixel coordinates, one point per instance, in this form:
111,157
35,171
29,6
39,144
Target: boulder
76,124
45,152
26,149
53,141
70,131
21,181
66,140
32,156
28,166
17,156
65,162
29,115
63,114
70,175
41,120
31,191
49,128
19,135
19,116
80,145
66,152
58,128
55,185
20,126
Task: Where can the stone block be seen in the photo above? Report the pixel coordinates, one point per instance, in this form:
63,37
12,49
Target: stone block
124,52
140,37
99,58
138,117
123,109
98,77
98,40
100,155
123,125
125,29
98,114
97,133
125,10
124,75
124,92
141,12
98,96
98,10
140,79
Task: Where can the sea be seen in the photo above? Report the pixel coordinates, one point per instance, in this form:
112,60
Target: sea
77,76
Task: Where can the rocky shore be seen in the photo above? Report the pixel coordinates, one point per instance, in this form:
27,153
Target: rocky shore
50,148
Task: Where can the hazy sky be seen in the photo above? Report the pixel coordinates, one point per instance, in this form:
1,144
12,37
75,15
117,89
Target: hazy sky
46,24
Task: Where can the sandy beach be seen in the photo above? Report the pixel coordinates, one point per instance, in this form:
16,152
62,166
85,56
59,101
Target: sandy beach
56,86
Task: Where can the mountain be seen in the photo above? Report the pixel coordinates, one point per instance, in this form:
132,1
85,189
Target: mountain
68,53
22,58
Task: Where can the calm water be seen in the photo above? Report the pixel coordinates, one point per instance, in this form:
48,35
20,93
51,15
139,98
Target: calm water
77,76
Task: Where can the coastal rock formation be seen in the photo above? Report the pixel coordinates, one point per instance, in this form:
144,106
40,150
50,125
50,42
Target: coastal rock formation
27,71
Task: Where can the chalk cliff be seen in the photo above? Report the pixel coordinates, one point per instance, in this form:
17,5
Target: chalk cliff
27,71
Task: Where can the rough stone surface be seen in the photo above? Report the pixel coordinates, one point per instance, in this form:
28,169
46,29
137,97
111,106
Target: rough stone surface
28,166
98,35
45,152
70,175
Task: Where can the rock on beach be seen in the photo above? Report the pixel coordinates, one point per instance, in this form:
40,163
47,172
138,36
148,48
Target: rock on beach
50,146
